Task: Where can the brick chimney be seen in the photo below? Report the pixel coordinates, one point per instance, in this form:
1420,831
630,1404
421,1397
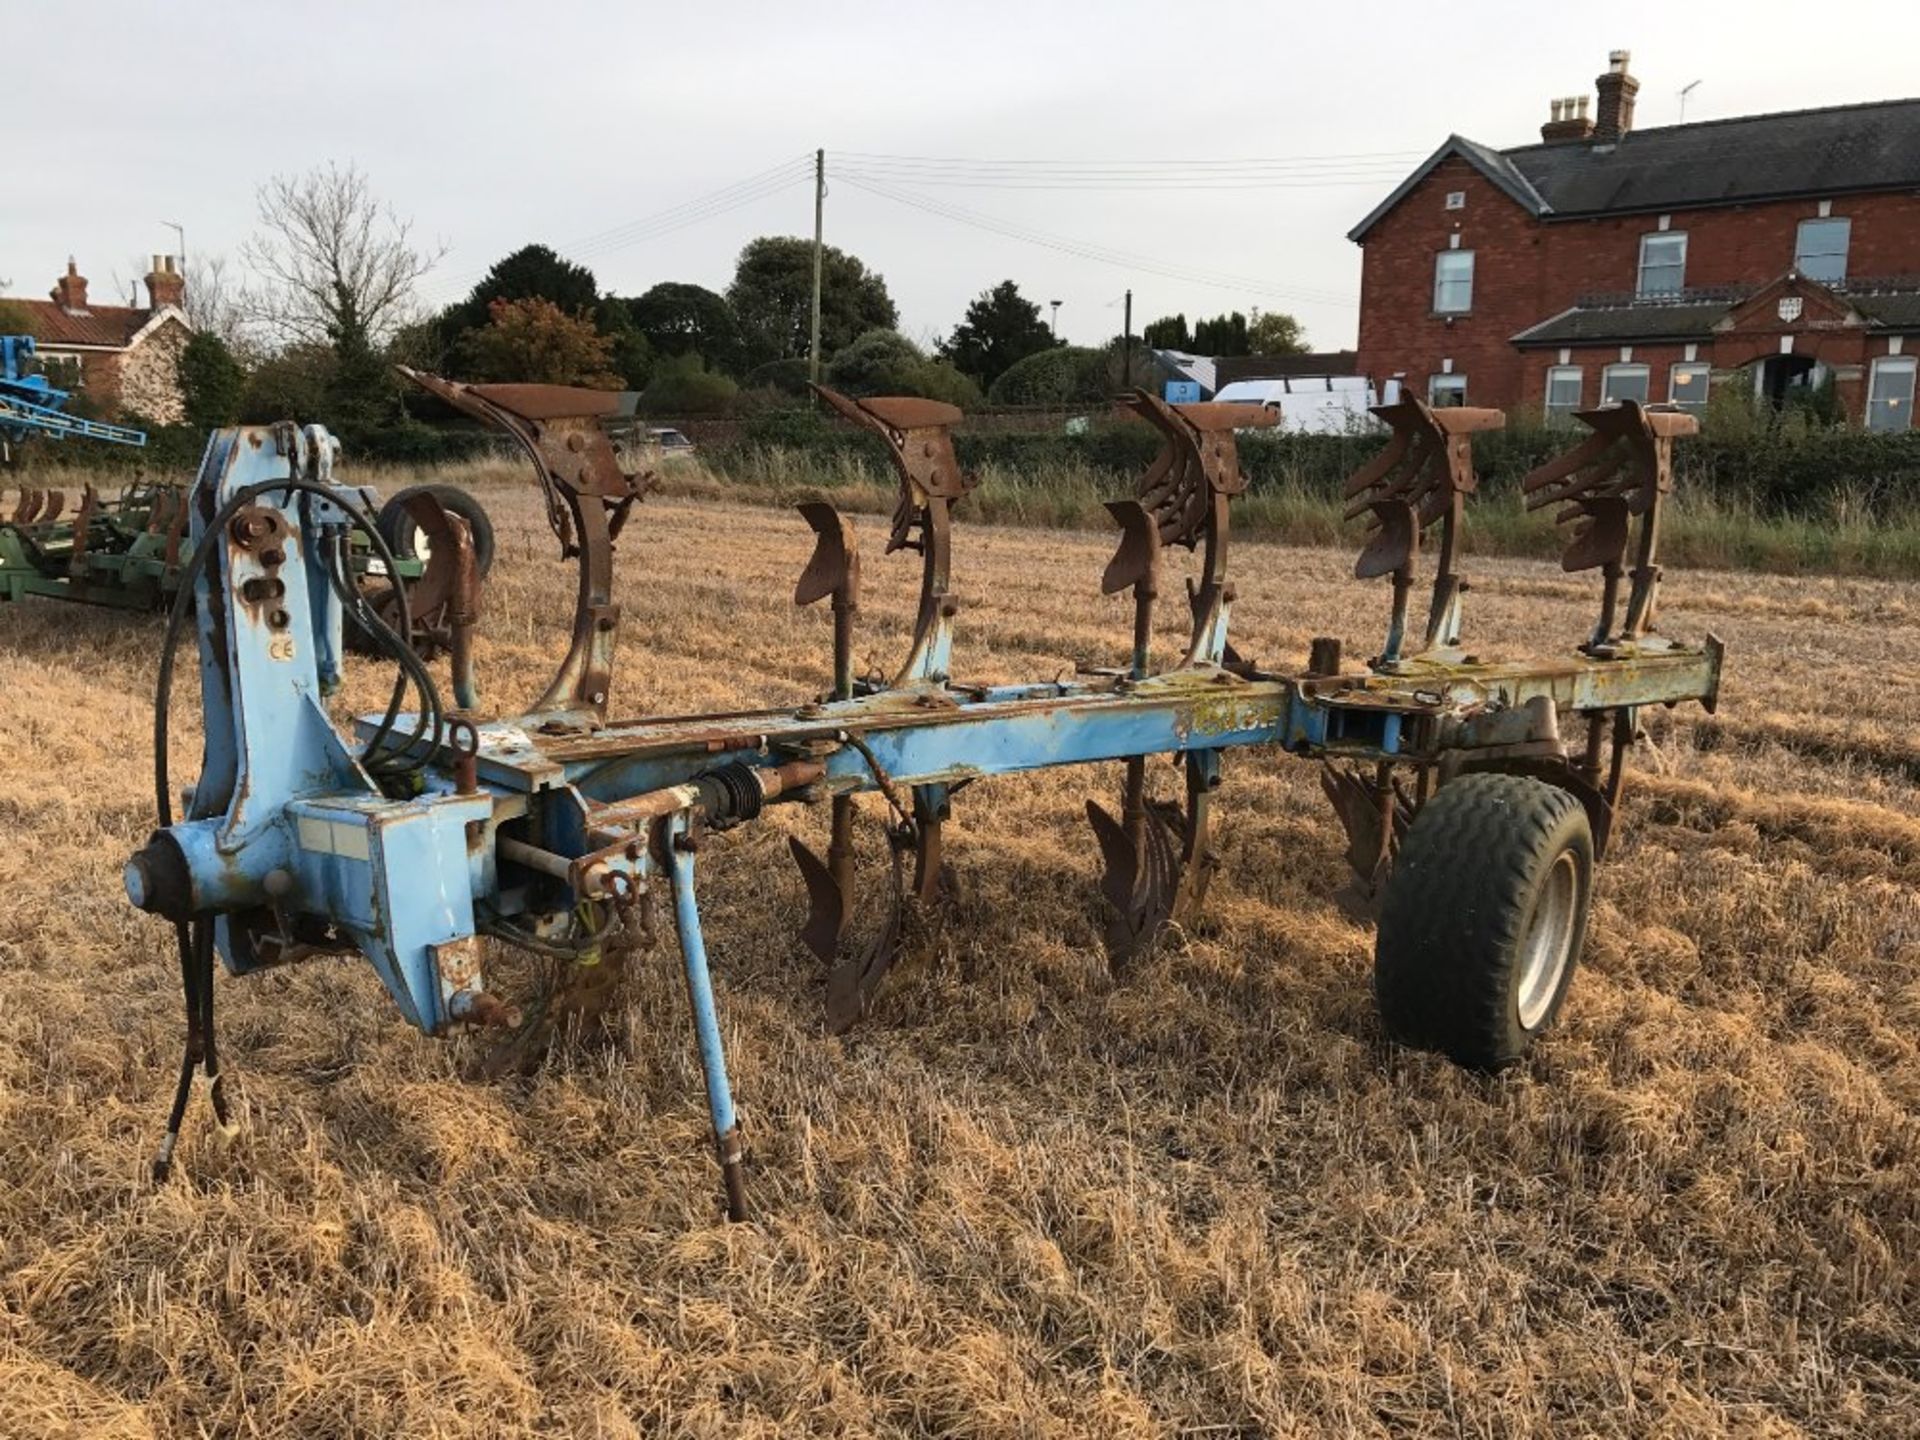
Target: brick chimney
165,283
1569,121
70,290
1617,89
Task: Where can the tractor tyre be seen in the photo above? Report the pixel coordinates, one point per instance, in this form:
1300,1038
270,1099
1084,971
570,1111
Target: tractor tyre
1484,918
402,534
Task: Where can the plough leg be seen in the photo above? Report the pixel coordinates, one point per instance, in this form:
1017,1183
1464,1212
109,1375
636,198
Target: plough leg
829,884
852,983
706,1019
1159,858
1198,860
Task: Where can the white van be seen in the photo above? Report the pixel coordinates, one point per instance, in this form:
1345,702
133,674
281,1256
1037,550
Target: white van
1315,404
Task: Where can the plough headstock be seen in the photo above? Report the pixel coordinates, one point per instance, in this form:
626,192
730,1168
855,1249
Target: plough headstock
1615,476
588,495
1422,478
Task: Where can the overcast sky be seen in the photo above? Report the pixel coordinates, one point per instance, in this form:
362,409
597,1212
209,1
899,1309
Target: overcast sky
576,124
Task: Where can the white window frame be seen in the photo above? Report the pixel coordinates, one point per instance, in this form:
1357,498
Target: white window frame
1895,408
1442,282
1561,372
72,368
1843,223
1609,373
1661,239
1452,382
1692,401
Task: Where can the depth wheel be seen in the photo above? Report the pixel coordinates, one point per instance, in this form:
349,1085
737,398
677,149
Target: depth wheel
1484,918
403,536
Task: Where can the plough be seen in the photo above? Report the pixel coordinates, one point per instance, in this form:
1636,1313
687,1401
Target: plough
130,550
1476,794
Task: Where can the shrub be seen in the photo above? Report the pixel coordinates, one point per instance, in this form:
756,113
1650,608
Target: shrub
682,385
787,376
1065,375
885,362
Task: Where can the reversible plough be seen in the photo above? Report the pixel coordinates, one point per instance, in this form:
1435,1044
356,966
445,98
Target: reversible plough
1476,794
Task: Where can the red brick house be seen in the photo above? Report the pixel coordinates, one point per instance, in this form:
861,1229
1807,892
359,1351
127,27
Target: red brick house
1605,263
122,357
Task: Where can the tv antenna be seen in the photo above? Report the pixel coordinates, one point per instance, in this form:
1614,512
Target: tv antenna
1686,91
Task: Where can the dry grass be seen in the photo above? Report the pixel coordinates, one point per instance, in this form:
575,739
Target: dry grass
1024,1199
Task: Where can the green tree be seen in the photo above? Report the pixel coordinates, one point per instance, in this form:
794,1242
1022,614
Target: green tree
1273,332
681,319
533,272
536,342
212,384
1169,333
772,291
1221,335
633,358
1001,328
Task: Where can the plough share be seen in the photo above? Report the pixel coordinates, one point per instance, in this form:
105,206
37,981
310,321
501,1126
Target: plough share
1476,794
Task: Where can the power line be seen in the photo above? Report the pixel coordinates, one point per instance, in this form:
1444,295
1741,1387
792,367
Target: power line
664,222
1213,173
1374,180
1210,161
1087,251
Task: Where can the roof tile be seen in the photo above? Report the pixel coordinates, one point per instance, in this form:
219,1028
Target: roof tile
111,325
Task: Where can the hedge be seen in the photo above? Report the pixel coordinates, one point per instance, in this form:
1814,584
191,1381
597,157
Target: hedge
1774,474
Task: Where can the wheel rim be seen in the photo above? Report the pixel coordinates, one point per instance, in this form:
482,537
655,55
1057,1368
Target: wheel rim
1548,947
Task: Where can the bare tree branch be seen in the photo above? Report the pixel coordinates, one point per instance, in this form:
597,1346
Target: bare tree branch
330,256
215,304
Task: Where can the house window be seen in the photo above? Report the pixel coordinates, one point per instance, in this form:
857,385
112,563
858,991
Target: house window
1444,390
1890,397
1687,385
1564,384
1453,282
1623,382
1820,249
63,372
1663,263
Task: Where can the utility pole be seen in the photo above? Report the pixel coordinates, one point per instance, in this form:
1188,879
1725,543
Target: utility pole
1126,345
819,217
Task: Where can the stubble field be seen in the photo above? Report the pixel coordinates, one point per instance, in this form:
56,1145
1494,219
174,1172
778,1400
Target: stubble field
1024,1198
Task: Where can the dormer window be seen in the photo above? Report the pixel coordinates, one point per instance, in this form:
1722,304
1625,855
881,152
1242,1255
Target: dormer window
1663,263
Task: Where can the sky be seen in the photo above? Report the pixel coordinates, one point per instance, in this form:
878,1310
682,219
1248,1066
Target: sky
1209,159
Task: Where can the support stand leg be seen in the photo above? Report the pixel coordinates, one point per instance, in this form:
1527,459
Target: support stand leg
706,1020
